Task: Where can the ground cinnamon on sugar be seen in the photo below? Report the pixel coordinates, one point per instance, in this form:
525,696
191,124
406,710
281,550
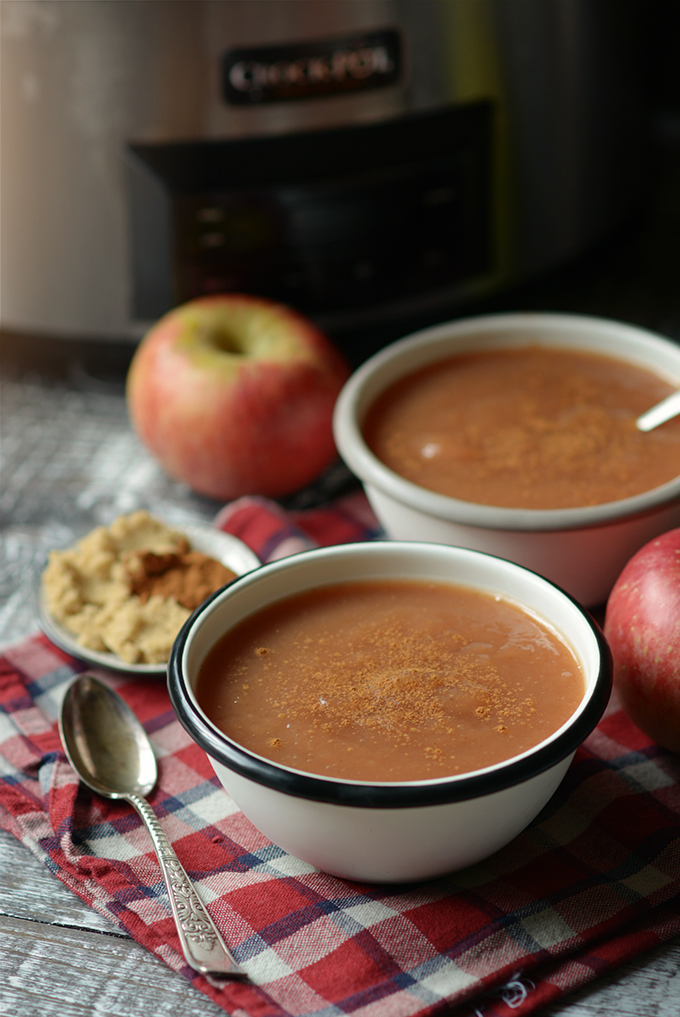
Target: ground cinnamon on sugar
188,577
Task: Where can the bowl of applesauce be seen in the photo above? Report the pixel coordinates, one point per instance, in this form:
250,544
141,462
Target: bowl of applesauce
515,434
390,711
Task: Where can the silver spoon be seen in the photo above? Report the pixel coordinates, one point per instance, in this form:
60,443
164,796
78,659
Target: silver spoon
108,748
659,414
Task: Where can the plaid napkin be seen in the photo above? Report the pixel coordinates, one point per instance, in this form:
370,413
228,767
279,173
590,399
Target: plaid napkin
592,882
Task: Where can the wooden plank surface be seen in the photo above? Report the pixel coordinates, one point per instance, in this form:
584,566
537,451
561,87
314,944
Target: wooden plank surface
58,958
50,970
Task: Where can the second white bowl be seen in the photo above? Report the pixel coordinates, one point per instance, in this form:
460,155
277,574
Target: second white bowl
581,549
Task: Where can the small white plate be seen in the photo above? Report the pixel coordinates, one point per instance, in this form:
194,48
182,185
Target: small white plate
229,550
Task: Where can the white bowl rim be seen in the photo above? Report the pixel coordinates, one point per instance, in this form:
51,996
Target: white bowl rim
364,794
374,473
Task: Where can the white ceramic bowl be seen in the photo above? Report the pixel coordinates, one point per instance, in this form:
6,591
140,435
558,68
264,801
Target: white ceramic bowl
581,549
390,832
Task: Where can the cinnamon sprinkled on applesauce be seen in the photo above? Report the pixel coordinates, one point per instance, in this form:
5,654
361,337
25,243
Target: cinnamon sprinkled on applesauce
390,680
529,427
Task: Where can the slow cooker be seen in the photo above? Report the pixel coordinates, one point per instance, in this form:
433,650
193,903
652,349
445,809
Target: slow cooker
358,159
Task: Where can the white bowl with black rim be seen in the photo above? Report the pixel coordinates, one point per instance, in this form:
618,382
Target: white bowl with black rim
388,831
583,548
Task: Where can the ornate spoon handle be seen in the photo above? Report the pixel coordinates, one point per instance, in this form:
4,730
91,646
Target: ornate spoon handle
203,947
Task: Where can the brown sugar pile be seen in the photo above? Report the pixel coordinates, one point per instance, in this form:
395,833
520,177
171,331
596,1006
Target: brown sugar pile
128,588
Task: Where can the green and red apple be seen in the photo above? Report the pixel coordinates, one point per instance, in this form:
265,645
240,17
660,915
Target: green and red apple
234,395
642,627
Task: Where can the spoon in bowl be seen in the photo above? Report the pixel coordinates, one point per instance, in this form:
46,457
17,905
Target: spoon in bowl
108,748
659,414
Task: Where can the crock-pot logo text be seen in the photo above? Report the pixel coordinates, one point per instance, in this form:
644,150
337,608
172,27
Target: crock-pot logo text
280,73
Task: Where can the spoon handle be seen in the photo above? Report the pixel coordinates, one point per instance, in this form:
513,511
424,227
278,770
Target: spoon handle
659,414
202,945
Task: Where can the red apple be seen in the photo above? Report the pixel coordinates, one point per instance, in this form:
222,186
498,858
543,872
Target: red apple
234,395
642,626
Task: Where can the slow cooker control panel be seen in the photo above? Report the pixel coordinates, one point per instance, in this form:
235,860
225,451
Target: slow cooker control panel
329,221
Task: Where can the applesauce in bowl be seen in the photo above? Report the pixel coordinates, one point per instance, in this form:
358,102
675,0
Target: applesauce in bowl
531,427
458,628
428,680
533,455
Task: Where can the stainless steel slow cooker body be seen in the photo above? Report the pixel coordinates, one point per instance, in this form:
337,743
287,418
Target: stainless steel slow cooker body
355,159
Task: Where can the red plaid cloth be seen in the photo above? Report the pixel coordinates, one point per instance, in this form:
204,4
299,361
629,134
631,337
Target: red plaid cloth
592,882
